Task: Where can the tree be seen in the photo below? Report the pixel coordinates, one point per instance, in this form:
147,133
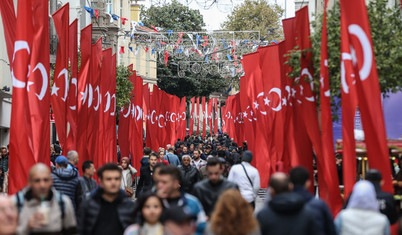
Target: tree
173,16
386,33
180,18
256,15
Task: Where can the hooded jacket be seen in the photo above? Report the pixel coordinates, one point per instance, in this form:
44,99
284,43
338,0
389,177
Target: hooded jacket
321,211
287,214
66,181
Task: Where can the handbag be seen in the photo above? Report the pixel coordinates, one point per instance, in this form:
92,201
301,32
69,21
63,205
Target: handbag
129,191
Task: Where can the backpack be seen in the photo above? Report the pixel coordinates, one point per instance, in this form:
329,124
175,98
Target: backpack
59,198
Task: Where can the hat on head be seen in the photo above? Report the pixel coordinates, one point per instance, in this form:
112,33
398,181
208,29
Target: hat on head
61,160
247,156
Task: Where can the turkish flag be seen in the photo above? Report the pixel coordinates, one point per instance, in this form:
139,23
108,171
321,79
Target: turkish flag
112,119
198,116
29,127
72,99
216,116
9,23
147,113
105,129
60,81
94,104
359,81
136,123
238,120
209,116
204,117
21,136
123,131
334,199
182,115
192,113
83,92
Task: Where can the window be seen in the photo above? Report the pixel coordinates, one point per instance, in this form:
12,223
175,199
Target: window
109,6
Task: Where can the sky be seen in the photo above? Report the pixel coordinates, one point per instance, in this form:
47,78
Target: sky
213,17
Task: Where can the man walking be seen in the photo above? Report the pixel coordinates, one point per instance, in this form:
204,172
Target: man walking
146,180
197,162
172,158
66,181
285,213
42,209
300,178
87,183
108,210
168,188
247,178
208,190
72,158
190,174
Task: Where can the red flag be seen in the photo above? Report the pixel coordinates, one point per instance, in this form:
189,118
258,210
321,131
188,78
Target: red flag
9,23
94,103
192,113
137,121
29,129
334,200
216,116
238,120
72,99
359,79
83,92
97,14
121,50
209,116
112,119
125,125
105,108
60,82
204,117
183,118
147,113
123,20
198,115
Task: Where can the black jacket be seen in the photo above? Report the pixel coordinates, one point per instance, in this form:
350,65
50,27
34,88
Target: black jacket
190,176
208,193
90,208
146,182
286,214
323,216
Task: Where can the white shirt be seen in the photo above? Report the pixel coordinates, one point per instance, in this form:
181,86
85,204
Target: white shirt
238,176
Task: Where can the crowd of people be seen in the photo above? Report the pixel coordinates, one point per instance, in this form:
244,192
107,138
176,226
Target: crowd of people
196,186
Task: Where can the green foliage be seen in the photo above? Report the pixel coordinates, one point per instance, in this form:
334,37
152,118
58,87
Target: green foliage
386,32
174,16
123,86
180,18
257,16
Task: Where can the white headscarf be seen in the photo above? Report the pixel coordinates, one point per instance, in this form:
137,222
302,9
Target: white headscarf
363,196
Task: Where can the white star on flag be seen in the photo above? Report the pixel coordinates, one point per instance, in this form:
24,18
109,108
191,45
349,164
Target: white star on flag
266,101
284,101
245,114
54,89
256,105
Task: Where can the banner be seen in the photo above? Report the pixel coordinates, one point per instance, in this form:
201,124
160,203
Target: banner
72,98
204,117
59,89
191,131
360,86
334,199
29,127
9,23
216,116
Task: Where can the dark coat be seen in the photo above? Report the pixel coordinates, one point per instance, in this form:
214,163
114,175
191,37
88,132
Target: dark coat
90,208
286,214
146,182
208,193
386,204
323,216
65,181
190,176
